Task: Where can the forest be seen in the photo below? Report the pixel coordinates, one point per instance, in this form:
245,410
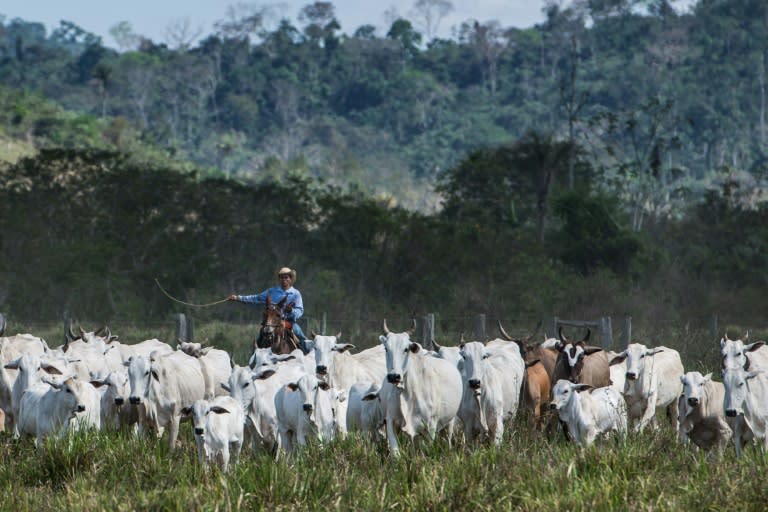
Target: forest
610,160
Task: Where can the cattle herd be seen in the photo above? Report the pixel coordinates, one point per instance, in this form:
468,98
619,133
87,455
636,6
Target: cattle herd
396,390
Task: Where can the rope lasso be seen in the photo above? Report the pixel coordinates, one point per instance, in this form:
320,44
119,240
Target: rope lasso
187,303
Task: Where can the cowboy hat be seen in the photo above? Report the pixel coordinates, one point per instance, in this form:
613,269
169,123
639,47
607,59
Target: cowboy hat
289,271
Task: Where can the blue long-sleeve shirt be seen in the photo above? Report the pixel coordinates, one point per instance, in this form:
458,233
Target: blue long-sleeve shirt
276,294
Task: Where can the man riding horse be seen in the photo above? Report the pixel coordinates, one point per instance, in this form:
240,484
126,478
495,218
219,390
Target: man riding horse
287,299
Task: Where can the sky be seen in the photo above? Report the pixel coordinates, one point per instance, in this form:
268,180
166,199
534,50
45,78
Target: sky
150,18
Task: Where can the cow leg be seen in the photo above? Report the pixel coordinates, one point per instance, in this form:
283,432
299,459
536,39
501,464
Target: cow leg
173,432
673,412
236,447
224,457
497,430
394,449
200,449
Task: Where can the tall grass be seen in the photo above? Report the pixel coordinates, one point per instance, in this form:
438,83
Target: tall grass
529,471
117,471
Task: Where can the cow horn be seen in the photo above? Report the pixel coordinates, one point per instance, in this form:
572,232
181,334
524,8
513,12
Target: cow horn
82,331
313,333
504,333
2,324
436,345
586,337
726,336
746,336
461,339
412,330
560,334
386,329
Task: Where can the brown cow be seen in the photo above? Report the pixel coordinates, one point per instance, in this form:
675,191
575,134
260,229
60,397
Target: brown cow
531,351
536,391
537,384
580,363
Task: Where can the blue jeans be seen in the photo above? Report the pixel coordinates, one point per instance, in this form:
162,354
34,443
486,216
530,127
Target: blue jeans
298,332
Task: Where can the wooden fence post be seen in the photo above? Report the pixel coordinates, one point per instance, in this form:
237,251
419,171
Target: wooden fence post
553,328
606,333
626,332
478,329
428,331
184,328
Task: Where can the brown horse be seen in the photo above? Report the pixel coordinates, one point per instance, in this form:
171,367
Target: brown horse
276,333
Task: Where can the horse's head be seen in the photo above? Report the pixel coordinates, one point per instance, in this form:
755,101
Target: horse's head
273,330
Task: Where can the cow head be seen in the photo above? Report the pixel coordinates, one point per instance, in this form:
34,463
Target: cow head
317,402
735,353
693,387
474,355
398,348
199,412
140,373
241,386
635,356
324,347
72,392
565,393
736,382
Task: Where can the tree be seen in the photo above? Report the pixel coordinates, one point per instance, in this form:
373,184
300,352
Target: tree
430,13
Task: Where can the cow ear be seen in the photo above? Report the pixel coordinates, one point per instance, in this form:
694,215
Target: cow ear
154,376
283,357
682,380
754,346
708,377
654,351
753,374
382,339
618,359
339,347
341,396
531,363
293,386
722,343
582,387
264,374
592,350
323,385
371,396
219,409
225,386
414,348
13,365
97,383
186,411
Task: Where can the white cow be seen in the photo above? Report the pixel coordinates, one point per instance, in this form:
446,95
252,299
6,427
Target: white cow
618,372
342,370
746,392
738,354
215,364
256,390
491,389
115,388
48,408
653,382
30,370
589,411
305,408
12,348
218,427
162,385
702,416
425,393
364,412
